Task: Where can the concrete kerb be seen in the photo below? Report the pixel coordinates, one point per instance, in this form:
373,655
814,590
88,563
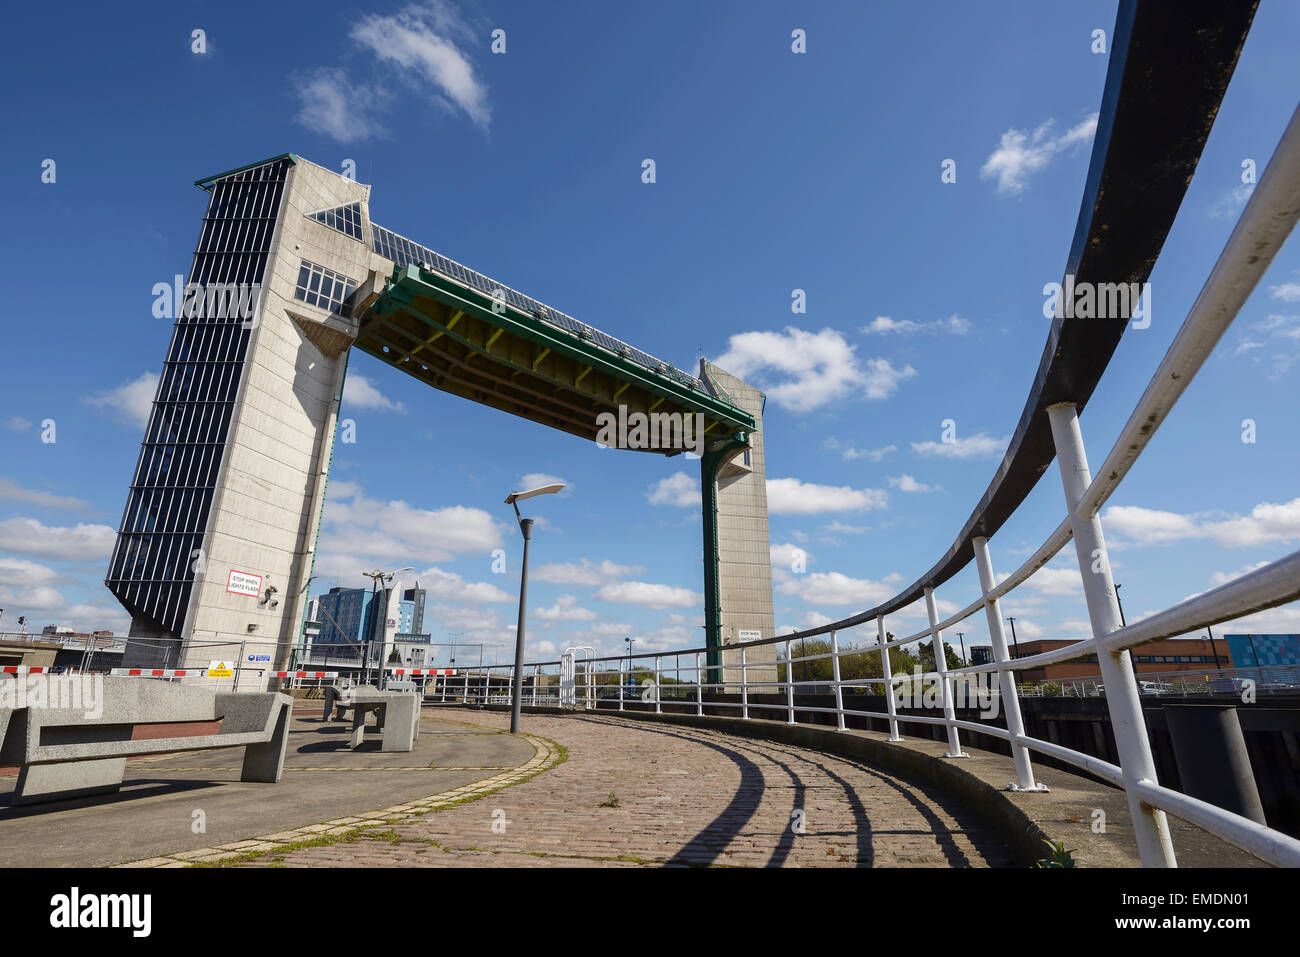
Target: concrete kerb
546,755
979,781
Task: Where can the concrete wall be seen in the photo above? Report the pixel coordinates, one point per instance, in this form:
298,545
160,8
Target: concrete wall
744,544
264,517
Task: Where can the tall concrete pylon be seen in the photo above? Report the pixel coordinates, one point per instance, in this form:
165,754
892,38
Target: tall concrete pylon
737,544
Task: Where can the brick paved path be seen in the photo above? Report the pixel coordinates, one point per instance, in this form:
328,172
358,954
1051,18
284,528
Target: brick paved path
636,794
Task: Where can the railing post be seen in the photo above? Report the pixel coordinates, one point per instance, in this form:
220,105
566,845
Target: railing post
945,683
835,674
622,685
886,672
1150,826
1006,677
699,686
744,686
658,709
789,686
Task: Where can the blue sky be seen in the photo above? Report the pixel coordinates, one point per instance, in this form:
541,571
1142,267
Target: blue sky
775,171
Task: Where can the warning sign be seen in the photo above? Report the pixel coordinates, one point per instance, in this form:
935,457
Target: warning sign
220,669
243,583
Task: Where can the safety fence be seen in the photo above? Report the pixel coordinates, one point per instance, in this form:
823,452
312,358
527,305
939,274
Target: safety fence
754,668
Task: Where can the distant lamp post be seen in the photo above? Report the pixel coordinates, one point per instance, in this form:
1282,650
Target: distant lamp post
1124,624
377,576
526,528
1214,652
630,680
961,636
1014,642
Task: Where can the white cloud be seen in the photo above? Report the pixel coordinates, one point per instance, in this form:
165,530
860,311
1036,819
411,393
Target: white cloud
843,529
1020,154
566,608
1287,291
331,104
849,453
1055,581
835,588
81,542
17,423
537,479
19,571
905,483
1232,202
12,491
1270,621
1222,578
449,586
129,402
881,379
359,392
883,325
786,555
397,533
678,489
423,41
790,496
586,573
649,595
1267,522
1274,341
802,371
976,446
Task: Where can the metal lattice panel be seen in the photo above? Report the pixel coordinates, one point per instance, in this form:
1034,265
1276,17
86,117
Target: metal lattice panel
152,569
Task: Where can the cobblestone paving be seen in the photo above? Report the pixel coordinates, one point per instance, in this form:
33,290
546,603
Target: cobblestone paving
634,794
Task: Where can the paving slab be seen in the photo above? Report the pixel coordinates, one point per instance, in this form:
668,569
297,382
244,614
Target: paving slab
163,798
638,795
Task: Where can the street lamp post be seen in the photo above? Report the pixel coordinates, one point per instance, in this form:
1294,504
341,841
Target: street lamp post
1124,624
526,528
376,577
631,680
1213,650
961,636
1013,635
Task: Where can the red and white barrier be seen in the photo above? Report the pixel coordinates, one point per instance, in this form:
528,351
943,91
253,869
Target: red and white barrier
202,673
420,672
22,670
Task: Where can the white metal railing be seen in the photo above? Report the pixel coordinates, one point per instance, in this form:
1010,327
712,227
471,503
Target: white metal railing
1260,232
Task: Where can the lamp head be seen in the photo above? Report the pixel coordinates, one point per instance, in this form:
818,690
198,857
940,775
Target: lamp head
542,490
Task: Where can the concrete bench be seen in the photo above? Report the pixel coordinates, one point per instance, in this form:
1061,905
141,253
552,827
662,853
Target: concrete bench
397,714
63,754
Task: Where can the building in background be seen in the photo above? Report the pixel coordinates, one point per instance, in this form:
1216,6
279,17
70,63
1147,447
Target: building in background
412,642
1155,657
344,616
1264,651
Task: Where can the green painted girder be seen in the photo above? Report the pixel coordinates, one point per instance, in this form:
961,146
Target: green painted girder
207,181
518,362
